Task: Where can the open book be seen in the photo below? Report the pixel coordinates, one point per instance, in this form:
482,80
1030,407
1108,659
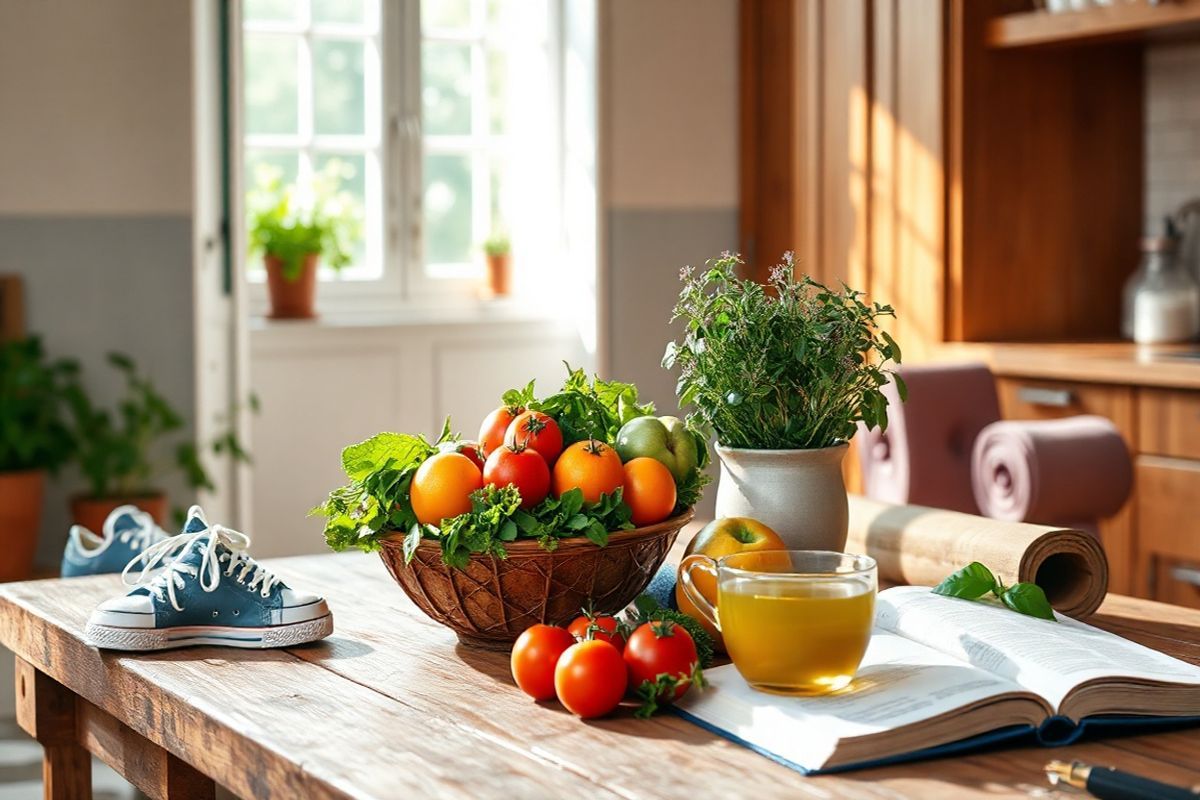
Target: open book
942,675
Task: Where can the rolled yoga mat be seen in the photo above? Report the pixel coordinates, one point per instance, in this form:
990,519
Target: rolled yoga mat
921,546
1058,470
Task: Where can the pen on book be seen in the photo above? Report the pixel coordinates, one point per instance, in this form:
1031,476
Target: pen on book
1107,783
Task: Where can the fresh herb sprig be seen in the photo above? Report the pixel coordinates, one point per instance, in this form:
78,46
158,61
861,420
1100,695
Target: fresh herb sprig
975,581
583,408
790,365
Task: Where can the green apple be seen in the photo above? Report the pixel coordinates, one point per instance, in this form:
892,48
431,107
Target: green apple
664,439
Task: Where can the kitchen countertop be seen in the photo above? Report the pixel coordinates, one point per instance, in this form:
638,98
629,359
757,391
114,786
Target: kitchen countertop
1091,362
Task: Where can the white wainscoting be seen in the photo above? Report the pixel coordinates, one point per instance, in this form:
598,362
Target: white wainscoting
324,385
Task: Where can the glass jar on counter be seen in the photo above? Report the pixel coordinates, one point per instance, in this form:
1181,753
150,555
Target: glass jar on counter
1162,300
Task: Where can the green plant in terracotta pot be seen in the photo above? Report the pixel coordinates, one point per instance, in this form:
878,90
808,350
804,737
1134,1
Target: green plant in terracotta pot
782,373
34,439
114,449
498,249
296,225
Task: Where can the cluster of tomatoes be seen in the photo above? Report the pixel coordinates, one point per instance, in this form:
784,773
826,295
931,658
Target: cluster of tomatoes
594,663
524,449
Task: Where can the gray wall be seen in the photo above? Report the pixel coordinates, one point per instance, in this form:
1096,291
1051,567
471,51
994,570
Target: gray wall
96,195
670,133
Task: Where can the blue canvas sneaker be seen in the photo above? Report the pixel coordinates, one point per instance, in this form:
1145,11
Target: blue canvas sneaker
127,531
213,592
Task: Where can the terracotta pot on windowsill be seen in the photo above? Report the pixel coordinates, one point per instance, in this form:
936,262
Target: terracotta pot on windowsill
292,299
500,274
90,512
20,520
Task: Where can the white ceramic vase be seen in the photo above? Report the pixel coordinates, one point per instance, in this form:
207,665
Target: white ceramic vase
800,494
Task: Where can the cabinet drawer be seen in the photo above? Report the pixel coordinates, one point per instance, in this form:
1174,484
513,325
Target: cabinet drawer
1177,582
1035,399
1167,494
1169,423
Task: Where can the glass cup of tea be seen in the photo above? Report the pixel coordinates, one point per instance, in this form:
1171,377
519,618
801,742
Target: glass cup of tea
794,621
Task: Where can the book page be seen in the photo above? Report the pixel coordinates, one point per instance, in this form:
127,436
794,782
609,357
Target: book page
899,683
1049,658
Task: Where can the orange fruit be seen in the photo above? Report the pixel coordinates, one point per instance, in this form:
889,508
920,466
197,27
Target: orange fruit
442,487
649,490
590,466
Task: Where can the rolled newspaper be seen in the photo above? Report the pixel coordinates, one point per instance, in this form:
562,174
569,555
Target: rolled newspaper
921,546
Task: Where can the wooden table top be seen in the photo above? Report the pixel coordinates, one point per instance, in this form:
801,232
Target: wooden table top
391,706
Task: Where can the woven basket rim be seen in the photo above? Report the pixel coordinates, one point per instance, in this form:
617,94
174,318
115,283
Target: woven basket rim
527,547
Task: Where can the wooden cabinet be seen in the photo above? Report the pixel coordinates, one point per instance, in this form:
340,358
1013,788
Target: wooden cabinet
1169,423
987,194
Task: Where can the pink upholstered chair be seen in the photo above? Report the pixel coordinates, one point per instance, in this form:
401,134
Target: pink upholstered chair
947,448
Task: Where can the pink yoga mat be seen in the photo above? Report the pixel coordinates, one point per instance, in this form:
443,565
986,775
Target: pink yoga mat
1049,471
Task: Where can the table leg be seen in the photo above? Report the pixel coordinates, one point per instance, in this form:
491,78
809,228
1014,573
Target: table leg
46,711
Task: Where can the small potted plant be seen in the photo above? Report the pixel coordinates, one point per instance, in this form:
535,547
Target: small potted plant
293,226
782,373
34,439
114,449
498,249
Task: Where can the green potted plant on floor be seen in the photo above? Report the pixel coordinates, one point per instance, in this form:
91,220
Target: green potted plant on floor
114,449
782,373
498,250
34,439
293,226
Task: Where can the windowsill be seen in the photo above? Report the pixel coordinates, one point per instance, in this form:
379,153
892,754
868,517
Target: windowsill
510,310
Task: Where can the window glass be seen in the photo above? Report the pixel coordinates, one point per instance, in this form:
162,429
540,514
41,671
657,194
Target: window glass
271,84
272,10
446,87
339,11
339,92
447,205
445,13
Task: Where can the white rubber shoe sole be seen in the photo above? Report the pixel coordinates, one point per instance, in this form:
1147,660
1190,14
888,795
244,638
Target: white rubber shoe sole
288,635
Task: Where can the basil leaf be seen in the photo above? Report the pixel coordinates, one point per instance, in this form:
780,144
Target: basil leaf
508,531
571,503
411,541
1028,599
597,533
578,522
971,582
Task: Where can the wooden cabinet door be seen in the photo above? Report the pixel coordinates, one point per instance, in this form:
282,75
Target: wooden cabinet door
1169,529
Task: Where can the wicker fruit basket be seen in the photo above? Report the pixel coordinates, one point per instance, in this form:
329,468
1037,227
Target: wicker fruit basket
493,600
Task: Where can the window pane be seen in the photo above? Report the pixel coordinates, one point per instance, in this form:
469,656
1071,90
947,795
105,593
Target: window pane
339,99
272,10
338,10
353,170
265,162
499,178
445,13
271,95
446,87
447,202
497,77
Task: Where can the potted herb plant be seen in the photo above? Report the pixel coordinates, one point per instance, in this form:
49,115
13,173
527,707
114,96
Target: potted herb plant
294,226
34,439
498,249
782,373
114,449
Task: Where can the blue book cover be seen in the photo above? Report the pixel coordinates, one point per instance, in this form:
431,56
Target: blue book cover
944,676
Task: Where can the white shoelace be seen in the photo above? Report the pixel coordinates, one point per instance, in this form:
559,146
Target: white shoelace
144,532
210,571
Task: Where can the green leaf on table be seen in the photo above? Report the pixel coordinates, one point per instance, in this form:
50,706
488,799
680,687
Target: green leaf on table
1028,599
971,582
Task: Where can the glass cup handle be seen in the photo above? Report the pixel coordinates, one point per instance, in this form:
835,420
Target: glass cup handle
690,589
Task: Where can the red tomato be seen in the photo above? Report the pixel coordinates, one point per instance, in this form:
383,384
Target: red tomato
590,678
658,648
522,468
538,431
467,448
534,657
610,629
491,432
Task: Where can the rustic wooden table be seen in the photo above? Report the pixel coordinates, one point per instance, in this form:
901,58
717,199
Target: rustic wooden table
391,706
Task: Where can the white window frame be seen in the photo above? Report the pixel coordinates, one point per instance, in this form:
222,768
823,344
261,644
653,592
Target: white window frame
394,135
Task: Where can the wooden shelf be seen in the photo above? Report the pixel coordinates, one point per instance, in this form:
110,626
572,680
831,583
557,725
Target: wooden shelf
1123,20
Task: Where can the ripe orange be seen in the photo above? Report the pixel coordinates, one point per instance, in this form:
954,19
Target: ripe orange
592,467
649,490
442,487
